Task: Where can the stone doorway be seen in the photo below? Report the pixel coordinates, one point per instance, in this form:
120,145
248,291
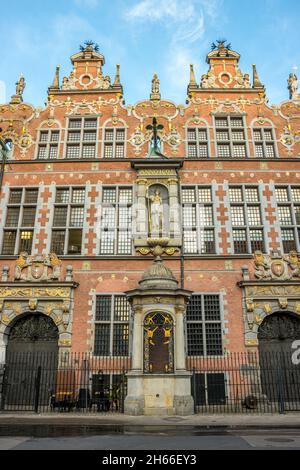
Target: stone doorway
31,362
280,377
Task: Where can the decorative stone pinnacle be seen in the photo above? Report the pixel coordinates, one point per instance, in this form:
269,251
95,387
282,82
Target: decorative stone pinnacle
192,75
117,81
256,80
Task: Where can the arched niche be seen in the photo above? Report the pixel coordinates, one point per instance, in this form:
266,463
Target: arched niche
158,208
158,343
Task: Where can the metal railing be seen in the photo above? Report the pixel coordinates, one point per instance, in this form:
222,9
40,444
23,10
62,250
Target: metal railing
82,383
69,382
245,383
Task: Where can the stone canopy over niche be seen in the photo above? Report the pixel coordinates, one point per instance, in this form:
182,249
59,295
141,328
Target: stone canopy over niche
157,214
274,288
36,286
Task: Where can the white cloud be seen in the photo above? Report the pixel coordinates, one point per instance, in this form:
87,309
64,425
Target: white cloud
186,21
177,72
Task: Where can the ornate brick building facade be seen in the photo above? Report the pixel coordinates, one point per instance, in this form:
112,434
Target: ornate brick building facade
89,181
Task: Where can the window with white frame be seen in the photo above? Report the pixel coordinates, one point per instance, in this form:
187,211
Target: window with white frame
231,137
111,337
114,142
264,142
204,325
48,146
246,219
197,142
82,138
288,211
20,221
116,221
68,220
198,220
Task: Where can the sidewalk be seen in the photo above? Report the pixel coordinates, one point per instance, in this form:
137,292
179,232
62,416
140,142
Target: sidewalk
290,420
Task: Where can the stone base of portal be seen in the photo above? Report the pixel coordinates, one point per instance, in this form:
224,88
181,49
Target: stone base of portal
159,394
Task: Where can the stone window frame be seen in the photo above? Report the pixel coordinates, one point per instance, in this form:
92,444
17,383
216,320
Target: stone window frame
109,126
48,144
116,229
68,226
201,124
111,322
294,226
212,204
19,227
256,126
80,143
231,143
221,321
247,227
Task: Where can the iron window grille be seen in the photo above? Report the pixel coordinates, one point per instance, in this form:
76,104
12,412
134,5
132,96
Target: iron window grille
82,138
204,325
198,220
209,388
288,212
68,220
246,219
112,317
264,142
20,221
231,140
197,142
48,147
116,221
114,142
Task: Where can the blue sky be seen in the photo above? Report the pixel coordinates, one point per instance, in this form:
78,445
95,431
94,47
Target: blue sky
147,36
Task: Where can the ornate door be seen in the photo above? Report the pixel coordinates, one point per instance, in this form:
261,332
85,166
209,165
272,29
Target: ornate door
158,343
280,377
31,361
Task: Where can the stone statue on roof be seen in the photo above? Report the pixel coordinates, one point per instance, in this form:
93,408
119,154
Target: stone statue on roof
20,86
292,85
155,84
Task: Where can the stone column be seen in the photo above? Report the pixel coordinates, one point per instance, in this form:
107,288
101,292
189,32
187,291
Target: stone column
174,208
137,340
179,340
141,212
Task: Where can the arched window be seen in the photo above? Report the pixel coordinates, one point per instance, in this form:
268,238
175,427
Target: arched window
9,147
158,343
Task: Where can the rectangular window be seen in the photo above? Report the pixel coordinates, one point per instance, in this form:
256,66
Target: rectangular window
116,221
48,144
68,221
114,143
82,138
209,389
288,213
111,325
264,142
231,137
204,326
246,219
20,216
198,220
197,142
